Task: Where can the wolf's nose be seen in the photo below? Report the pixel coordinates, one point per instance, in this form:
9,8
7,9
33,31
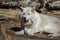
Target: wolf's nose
24,18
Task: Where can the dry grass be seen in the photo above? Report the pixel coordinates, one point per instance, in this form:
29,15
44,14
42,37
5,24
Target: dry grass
9,13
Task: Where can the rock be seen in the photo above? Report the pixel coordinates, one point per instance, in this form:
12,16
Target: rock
53,5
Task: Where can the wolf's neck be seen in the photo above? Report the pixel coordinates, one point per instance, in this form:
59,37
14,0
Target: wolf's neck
36,19
37,15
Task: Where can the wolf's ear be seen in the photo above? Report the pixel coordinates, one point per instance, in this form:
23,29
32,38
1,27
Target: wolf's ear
33,9
21,9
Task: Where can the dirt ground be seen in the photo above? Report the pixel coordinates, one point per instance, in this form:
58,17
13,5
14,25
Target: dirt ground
12,20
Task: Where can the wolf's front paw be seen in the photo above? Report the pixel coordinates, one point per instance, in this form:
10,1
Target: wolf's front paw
19,32
53,35
29,32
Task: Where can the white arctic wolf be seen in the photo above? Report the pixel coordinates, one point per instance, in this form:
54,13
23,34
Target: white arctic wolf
35,22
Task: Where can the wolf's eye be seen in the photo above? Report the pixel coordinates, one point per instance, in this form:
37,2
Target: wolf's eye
23,13
28,13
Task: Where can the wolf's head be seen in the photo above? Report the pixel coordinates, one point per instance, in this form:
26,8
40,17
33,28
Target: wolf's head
27,15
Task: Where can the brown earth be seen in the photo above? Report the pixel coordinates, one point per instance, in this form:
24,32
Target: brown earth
12,16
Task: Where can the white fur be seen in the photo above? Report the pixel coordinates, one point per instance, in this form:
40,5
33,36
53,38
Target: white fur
19,32
41,23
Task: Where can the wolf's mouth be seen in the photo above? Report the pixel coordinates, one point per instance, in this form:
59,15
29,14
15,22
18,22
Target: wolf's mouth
27,23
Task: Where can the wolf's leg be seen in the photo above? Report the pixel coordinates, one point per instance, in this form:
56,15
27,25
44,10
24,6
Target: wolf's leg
53,35
29,32
51,28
